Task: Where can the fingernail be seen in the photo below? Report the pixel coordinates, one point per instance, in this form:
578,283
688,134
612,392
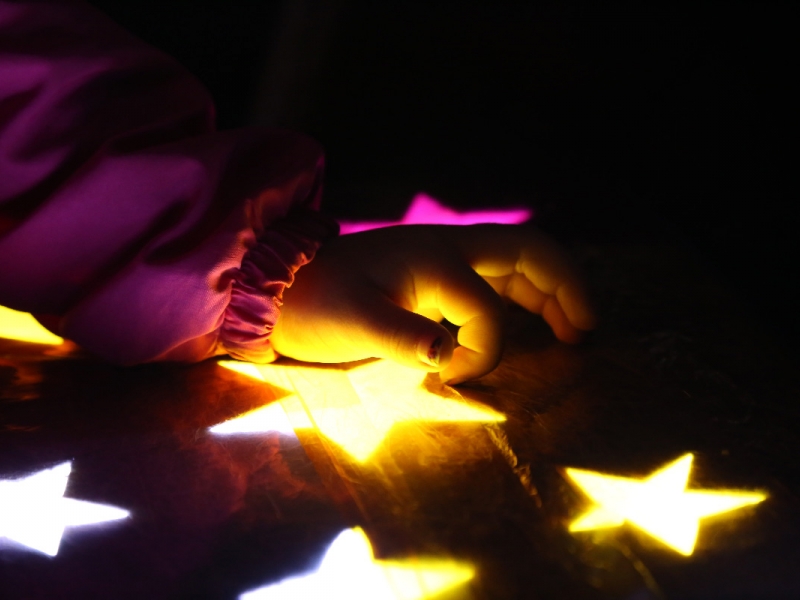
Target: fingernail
433,353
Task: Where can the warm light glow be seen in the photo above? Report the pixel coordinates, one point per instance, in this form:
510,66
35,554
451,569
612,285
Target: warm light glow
16,325
659,504
34,513
355,408
349,570
425,210
271,417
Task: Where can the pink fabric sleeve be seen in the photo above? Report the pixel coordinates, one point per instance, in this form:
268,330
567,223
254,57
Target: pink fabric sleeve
147,234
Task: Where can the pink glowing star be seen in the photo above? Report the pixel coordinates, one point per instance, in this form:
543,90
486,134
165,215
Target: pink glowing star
425,210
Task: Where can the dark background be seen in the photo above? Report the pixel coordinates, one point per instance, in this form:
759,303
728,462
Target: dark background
617,124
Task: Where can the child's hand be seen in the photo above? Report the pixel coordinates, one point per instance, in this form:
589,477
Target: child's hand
381,293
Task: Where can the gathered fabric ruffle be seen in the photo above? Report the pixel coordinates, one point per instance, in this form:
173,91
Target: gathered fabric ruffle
267,269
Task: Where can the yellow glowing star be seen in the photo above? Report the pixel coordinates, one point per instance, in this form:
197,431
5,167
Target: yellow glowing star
16,325
348,570
355,408
659,504
34,513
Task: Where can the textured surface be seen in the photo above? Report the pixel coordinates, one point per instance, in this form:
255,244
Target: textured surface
675,367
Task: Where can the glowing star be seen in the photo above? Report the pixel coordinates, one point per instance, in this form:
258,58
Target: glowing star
659,504
271,417
34,513
23,326
354,408
425,210
349,570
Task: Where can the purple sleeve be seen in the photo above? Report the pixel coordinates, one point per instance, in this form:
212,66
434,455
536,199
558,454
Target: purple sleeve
147,234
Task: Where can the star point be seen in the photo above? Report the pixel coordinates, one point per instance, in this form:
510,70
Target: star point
349,570
658,504
355,408
15,325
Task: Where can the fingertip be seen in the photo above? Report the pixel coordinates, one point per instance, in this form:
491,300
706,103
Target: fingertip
435,352
577,307
570,335
467,365
387,330
585,320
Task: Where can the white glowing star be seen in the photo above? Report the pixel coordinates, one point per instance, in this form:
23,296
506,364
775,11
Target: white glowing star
34,512
354,408
350,571
659,504
15,325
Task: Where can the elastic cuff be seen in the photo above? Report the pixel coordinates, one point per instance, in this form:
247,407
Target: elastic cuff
267,269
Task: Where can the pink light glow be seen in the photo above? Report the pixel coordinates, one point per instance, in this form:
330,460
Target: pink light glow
425,210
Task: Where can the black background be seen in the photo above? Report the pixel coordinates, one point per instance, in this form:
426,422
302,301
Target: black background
606,120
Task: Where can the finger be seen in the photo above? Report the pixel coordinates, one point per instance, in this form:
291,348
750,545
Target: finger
430,312
497,251
562,327
573,300
466,300
545,265
520,290
383,329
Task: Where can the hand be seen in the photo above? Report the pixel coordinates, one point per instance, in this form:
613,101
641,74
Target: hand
382,293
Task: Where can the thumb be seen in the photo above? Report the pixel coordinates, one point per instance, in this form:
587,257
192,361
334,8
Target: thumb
387,330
